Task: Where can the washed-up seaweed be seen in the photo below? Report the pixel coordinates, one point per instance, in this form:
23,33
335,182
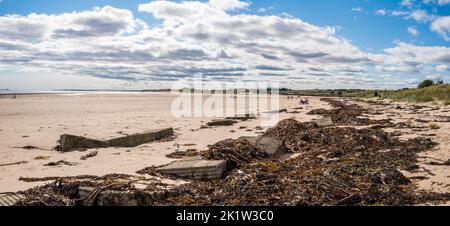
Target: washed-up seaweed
336,166
346,114
237,151
183,154
333,166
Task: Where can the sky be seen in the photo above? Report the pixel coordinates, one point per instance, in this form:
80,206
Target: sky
143,44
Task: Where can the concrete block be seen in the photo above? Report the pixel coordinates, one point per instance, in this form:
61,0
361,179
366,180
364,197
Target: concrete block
243,117
10,199
119,198
323,122
70,142
271,145
221,122
195,169
141,138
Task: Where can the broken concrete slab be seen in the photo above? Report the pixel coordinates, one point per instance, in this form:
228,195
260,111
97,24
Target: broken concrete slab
141,138
195,168
119,198
323,122
10,199
221,122
251,140
243,117
271,146
71,142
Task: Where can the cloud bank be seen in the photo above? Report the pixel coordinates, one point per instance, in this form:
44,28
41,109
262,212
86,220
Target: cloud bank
218,39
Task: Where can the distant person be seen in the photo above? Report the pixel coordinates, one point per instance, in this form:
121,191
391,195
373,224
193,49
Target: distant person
14,96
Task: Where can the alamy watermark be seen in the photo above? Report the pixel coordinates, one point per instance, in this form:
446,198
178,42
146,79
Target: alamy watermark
200,98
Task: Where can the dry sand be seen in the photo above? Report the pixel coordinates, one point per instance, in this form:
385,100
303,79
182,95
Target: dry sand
39,120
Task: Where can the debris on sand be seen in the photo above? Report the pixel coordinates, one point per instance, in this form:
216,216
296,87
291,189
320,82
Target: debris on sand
237,151
328,166
30,147
90,155
344,114
14,163
70,142
335,166
90,190
244,117
62,162
183,154
445,163
9,199
222,122
141,138
41,157
195,168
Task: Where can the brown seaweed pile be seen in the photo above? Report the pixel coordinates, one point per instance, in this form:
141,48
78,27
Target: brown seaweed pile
239,151
328,166
335,166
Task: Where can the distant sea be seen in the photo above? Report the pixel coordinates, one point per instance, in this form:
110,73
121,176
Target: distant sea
68,91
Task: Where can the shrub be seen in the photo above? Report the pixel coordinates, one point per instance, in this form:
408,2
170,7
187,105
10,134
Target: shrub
425,83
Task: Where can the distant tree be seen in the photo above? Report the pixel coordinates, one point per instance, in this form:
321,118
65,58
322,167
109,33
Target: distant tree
425,83
375,94
439,82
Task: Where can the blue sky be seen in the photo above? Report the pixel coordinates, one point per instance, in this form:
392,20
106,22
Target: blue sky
370,26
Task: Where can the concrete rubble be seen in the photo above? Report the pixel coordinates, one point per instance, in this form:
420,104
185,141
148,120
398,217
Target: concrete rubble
221,122
9,199
195,168
243,117
71,142
141,138
90,196
325,121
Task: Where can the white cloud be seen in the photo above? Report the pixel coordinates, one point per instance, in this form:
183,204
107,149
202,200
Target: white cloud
399,13
198,37
442,26
380,12
357,9
442,68
420,16
406,2
413,31
443,2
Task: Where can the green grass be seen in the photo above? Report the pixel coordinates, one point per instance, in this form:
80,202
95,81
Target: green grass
436,93
439,94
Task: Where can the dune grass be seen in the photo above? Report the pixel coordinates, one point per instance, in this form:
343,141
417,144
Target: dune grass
439,94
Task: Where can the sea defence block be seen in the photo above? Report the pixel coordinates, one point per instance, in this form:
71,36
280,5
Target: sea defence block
242,117
323,122
10,199
271,146
221,122
110,197
141,138
195,169
70,142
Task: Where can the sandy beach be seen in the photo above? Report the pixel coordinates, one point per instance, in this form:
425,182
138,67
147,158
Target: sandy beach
38,121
